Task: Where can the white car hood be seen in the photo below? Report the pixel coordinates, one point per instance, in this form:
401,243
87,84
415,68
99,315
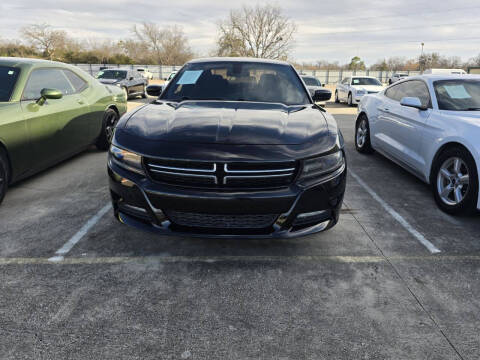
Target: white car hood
368,87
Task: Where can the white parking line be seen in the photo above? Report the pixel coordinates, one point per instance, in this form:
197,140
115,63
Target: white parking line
432,248
60,253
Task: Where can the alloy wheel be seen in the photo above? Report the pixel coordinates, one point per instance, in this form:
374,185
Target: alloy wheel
362,133
453,181
110,122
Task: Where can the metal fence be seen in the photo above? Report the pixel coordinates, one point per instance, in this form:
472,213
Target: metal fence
334,76
325,76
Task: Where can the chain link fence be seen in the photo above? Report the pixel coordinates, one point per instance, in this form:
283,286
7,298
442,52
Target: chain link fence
325,76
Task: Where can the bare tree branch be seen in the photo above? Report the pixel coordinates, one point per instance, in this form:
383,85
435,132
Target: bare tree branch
260,31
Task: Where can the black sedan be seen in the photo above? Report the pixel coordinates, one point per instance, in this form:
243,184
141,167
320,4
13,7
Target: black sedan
232,147
131,82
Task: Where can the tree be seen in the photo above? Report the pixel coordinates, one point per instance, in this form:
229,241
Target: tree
164,45
260,31
474,61
356,64
48,41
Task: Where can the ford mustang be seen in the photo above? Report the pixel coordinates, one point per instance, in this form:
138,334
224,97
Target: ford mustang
430,125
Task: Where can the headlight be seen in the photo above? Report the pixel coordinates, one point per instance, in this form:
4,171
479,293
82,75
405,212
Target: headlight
361,92
126,159
315,168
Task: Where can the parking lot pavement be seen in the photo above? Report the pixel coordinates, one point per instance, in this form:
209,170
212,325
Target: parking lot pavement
369,288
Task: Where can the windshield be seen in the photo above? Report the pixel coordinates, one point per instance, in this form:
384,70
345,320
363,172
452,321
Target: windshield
366,81
458,95
8,78
237,81
311,81
112,74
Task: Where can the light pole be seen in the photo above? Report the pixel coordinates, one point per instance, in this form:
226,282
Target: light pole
422,60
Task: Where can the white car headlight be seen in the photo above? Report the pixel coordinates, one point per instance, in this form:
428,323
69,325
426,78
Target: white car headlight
126,159
361,92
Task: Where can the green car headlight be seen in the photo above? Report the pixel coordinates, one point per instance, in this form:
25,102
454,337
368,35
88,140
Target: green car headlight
315,168
126,159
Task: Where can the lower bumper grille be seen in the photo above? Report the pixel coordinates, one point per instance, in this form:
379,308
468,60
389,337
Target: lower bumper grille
217,221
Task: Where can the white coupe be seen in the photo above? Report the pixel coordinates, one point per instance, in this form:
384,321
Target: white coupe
351,89
429,125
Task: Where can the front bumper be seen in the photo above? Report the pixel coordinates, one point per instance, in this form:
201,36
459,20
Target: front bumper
142,203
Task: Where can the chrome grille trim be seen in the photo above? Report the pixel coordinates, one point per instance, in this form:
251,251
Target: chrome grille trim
225,168
225,179
183,168
235,174
214,178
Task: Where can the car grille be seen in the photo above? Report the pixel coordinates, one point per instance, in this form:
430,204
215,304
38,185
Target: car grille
217,221
373,92
220,174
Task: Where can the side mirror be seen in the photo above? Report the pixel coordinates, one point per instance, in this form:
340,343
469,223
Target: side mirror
323,85
154,90
413,102
130,78
322,95
49,94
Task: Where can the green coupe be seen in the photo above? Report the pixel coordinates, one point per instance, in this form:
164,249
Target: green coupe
50,111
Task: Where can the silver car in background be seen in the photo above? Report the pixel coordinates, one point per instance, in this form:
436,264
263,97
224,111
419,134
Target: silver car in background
429,125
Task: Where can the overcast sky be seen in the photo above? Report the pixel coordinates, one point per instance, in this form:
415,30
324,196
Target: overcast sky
331,30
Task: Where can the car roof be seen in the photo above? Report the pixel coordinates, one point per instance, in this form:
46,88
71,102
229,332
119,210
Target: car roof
237,59
434,77
360,76
25,62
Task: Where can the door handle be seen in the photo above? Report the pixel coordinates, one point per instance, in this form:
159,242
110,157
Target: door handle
80,101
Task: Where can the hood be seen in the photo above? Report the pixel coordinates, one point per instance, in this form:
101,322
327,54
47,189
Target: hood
109,81
220,122
470,117
377,88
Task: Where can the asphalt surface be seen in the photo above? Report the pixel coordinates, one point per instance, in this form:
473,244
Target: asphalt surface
370,288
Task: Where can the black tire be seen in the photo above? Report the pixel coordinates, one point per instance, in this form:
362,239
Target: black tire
144,93
110,119
365,146
469,193
350,99
4,174
337,100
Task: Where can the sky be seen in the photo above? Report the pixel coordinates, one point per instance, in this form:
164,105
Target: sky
331,30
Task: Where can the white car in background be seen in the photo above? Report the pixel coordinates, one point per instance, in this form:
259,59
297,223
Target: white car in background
170,77
396,77
352,89
445,72
429,125
145,73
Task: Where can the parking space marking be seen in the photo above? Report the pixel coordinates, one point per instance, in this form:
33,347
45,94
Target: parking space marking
226,258
60,253
432,248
